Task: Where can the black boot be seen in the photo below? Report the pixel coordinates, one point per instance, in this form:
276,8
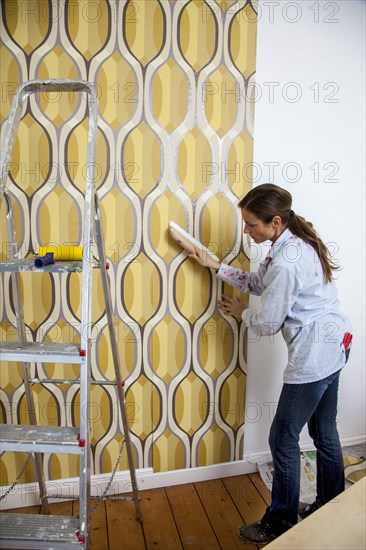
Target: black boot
265,530
310,509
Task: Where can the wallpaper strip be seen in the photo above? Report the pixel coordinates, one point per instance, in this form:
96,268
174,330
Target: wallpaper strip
175,142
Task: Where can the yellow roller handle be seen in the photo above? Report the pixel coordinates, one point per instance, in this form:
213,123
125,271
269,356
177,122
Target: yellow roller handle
62,252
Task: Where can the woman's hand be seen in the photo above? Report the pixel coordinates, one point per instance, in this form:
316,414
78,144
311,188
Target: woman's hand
231,306
201,257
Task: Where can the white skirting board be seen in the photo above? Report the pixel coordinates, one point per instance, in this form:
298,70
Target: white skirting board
27,494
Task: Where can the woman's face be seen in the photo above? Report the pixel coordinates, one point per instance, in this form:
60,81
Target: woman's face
260,231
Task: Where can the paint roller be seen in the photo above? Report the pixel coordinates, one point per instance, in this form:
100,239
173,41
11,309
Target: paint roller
49,254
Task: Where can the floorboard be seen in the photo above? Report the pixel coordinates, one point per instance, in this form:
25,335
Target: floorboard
246,498
194,516
61,508
222,514
158,522
124,531
192,522
261,487
28,510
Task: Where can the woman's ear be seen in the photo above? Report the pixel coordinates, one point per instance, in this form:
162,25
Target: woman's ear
277,221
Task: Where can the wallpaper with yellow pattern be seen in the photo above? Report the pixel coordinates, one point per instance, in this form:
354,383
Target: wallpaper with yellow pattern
175,142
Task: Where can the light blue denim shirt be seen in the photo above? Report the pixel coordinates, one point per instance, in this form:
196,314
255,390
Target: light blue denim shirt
296,300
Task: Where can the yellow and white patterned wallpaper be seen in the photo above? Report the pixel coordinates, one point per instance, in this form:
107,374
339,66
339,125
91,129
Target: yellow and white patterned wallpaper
175,142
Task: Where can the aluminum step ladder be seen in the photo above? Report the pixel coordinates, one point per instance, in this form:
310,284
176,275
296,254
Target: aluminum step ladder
45,531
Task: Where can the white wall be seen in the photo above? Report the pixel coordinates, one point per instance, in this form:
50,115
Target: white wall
317,121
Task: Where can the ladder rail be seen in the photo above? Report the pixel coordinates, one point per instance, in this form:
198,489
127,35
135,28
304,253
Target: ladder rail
86,316
9,141
19,314
115,354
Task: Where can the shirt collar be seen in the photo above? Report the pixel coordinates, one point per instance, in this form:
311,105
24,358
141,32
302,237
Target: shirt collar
286,234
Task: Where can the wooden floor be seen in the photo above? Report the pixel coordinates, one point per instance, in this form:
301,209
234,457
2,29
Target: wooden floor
200,516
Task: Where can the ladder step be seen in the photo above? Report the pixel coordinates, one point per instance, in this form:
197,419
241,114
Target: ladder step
28,265
43,352
30,531
40,439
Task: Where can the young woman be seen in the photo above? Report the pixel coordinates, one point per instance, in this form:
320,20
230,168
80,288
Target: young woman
298,297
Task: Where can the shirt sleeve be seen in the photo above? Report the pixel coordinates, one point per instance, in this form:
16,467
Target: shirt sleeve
250,283
283,285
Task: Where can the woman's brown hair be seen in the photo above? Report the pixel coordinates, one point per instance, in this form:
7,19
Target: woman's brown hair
269,200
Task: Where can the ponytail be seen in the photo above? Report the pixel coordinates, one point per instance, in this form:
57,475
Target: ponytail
269,200
305,231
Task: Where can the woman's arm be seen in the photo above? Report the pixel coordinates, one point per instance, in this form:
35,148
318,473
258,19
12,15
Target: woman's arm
250,283
205,259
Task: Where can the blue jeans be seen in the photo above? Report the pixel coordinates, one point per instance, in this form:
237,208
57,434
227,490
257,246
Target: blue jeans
314,403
